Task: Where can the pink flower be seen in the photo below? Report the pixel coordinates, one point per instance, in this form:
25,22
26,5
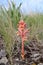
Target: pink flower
22,33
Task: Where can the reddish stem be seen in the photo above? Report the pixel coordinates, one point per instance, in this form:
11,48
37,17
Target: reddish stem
22,51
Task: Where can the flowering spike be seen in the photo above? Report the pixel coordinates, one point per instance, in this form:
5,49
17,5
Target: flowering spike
22,32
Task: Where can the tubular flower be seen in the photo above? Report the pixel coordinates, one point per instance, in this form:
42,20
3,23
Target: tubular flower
22,33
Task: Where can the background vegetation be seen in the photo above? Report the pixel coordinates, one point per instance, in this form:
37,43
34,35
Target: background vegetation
8,25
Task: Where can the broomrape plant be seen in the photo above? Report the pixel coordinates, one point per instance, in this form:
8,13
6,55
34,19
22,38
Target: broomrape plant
22,31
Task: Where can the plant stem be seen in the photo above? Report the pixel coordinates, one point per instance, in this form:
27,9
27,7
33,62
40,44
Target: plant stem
22,51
